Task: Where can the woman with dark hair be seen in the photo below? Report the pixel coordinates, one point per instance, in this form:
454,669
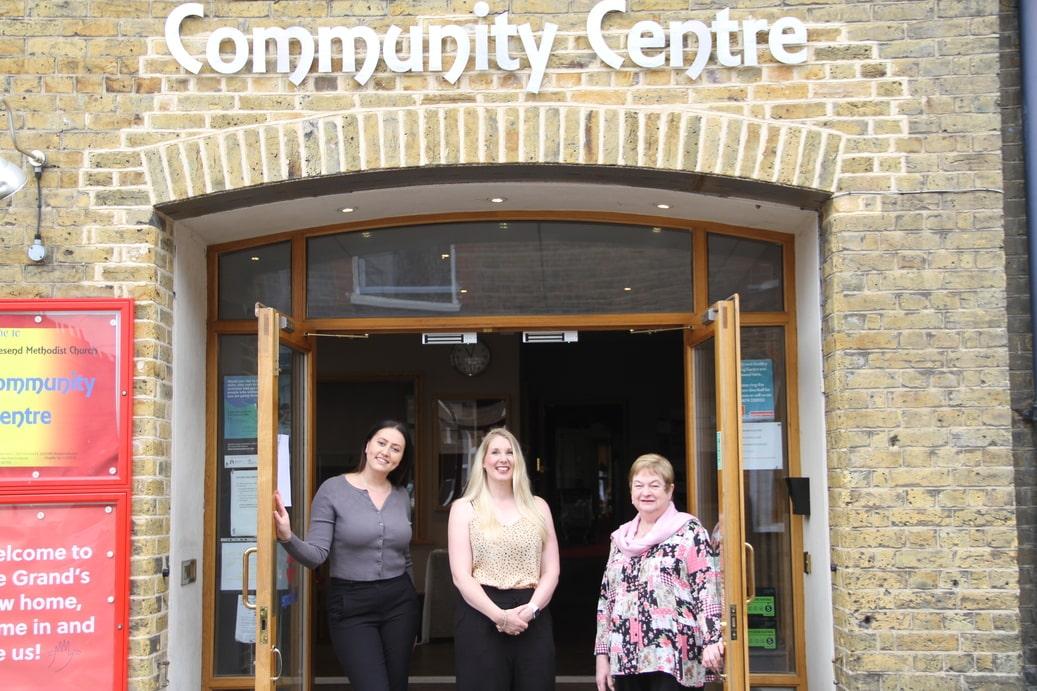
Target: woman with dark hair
361,522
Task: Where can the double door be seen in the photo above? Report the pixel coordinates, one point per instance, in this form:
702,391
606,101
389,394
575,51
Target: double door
277,590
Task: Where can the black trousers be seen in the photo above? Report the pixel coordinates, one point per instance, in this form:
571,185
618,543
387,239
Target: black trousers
373,627
649,681
487,660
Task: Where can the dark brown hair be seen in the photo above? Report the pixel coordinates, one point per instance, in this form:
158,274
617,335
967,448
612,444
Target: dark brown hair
401,473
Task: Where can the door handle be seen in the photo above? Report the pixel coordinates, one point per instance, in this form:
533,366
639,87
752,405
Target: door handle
244,577
750,573
280,663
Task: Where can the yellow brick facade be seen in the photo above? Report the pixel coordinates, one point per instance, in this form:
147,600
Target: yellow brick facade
895,117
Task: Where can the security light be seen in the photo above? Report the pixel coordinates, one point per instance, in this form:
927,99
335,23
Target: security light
13,179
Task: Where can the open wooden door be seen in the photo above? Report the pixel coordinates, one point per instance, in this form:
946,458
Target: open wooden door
713,379
285,412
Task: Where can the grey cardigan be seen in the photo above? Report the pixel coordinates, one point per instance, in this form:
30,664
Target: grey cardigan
364,543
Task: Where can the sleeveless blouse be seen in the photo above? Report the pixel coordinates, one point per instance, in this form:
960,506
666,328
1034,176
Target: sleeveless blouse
508,560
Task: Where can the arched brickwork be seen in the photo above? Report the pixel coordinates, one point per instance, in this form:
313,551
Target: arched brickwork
389,138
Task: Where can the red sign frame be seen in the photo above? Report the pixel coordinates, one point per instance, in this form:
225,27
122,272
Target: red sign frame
85,422
54,657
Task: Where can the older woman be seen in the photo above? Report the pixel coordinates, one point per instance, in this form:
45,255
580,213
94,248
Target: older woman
504,562
659,610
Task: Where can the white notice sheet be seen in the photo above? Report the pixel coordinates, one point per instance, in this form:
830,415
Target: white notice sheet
284,469
761,446
230,563
243,502
245,624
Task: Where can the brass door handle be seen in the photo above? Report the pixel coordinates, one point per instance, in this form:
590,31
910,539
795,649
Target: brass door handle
244,577
280,663
750,573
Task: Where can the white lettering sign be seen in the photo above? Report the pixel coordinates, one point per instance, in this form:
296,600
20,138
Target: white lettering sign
422,48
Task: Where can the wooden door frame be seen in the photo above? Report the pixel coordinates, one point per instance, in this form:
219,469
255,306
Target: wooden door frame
272,337
700,231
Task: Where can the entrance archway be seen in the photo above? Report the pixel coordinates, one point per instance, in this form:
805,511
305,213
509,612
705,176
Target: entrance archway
199,185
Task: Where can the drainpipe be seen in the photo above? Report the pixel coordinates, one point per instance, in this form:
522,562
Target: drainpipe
1028,59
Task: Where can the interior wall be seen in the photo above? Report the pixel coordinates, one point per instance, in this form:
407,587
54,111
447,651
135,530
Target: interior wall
187,506
550,373
396,357
642,373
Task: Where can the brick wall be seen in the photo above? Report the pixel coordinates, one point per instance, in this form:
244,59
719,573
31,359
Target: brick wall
901,99
1019,335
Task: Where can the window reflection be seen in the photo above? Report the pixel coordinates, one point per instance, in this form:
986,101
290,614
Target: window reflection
257,274
751,268
422,278
494,267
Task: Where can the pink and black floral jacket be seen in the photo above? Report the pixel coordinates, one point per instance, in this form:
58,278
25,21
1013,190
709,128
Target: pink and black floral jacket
658,610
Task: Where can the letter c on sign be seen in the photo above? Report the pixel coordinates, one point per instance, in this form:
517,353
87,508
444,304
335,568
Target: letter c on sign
176,46
594,20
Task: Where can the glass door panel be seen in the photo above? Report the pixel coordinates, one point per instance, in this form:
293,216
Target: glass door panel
281,593
772,641
233,636
714,398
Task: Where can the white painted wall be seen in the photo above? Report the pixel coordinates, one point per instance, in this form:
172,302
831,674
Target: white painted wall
188,465
817,585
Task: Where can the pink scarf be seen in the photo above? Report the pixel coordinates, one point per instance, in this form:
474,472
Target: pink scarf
669,523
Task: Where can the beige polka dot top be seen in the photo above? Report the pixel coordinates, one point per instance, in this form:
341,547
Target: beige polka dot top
509,559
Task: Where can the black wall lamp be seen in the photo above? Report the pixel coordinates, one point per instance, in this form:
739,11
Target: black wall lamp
12,179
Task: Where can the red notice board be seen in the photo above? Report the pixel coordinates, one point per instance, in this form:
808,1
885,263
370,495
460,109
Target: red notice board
66,393
64,591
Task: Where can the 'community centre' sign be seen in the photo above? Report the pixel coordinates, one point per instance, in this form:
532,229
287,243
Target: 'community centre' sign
449,49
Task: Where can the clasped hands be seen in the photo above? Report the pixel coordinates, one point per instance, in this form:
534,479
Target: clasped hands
515,620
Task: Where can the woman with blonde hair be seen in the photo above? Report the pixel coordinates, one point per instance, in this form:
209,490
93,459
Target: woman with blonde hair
504,562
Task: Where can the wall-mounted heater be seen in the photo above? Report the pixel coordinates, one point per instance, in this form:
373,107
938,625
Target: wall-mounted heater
459,337
550,336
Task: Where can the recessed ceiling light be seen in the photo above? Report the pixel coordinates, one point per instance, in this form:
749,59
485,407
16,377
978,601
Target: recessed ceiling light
662,206
657,230
365,234
464,290
254,258
498,200
627,289
445,255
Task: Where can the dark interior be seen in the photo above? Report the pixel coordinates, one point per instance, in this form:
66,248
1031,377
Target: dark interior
584,410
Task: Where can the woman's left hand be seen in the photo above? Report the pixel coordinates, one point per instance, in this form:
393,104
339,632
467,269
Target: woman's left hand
513,623
524,612
713,656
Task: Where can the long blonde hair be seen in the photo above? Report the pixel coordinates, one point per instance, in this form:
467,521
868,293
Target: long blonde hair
478,494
